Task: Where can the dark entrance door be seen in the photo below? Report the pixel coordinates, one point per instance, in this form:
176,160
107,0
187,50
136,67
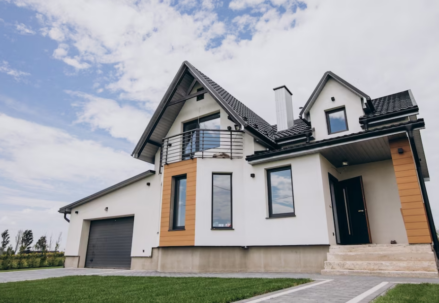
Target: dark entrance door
109,243
349,209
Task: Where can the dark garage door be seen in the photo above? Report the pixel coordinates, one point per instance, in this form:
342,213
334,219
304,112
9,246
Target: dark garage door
109,243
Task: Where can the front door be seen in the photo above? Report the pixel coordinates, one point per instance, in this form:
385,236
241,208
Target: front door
349,209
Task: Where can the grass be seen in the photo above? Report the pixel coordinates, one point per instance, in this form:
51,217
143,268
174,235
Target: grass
404,293
34,268
141,289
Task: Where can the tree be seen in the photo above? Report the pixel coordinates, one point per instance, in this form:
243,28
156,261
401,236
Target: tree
58,242
5,239
41,244
18,239
26,240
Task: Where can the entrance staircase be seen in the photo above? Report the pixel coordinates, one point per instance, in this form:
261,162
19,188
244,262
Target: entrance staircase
391,260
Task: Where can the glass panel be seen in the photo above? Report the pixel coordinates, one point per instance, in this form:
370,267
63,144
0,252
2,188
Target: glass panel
210,139
222,201
180,203
281,191
337,121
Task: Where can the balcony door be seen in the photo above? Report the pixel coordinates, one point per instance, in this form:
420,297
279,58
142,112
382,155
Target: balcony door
349,210
200,134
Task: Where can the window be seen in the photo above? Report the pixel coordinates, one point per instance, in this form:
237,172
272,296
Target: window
204,139
280,192
336,120
200,97
179,207
221,201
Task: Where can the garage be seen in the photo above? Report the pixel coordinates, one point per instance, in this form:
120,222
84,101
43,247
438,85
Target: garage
109,243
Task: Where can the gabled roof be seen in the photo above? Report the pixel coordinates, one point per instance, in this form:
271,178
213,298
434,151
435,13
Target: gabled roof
69,207
173,101
329,75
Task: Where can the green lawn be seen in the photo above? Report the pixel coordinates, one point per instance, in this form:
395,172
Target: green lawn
404,293
35,268
140,289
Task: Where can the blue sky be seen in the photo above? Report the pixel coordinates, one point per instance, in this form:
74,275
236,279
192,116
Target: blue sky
80,79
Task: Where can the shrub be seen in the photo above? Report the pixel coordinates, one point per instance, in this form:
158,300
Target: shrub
31,260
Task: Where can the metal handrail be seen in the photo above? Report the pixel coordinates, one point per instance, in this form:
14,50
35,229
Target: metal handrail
218,143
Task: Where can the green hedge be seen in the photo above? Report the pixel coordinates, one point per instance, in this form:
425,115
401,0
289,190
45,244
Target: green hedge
31,260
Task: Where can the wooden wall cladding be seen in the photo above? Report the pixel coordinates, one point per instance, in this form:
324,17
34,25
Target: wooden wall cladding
179,237
412,203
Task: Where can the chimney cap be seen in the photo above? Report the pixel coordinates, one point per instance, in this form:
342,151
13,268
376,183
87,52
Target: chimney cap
283,86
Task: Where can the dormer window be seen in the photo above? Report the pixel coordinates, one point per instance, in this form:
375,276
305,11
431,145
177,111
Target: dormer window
336,120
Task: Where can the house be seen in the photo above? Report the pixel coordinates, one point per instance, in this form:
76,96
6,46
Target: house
340,190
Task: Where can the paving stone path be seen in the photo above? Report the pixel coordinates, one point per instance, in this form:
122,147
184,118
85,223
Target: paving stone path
331,289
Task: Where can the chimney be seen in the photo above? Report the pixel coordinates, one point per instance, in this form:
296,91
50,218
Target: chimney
284,108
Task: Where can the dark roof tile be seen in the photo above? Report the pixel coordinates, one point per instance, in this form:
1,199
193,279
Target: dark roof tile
391,103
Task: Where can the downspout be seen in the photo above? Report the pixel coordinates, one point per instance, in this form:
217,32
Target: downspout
424,190
65,217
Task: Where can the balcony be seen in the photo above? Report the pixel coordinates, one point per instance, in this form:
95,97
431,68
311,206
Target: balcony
202,143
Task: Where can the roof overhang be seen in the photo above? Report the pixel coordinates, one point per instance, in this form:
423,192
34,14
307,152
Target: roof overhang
67,209
318,146
330,75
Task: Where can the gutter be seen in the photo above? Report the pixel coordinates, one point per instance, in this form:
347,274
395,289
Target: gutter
414,110
410,129
65,217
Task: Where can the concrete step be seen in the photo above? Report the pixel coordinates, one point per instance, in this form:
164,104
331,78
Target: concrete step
390,248
428,266
381,256
408,274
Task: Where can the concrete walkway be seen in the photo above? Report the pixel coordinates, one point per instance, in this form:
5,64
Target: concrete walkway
343,289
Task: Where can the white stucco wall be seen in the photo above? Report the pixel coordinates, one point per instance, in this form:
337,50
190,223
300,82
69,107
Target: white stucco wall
136,199
343,97
308,227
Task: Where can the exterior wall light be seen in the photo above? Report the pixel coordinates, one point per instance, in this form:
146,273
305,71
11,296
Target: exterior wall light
106,208
237,127
345,163
229,128
148,183
252,175
400,150
76,212
333,98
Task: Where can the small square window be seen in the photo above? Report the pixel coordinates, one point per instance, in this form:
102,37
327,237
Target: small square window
200,97
336,120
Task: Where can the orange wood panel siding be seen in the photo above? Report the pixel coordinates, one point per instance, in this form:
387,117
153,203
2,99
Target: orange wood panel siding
412,203
179,237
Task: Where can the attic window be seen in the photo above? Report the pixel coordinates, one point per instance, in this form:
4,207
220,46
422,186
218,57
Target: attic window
336,120
200,97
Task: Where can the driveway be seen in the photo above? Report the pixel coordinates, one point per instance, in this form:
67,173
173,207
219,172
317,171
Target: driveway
343,289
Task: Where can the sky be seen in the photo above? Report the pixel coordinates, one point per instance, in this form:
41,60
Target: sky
79,80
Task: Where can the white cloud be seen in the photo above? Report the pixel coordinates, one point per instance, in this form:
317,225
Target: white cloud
242,4
44,157
23,29
125,122
17,74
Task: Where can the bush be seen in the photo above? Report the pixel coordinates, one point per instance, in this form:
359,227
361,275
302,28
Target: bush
31,260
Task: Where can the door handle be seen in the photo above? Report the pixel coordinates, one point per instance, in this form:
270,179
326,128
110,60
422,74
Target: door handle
361,210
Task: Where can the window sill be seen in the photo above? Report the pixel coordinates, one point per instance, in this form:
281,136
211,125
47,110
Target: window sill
282,216
177,229
222,228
